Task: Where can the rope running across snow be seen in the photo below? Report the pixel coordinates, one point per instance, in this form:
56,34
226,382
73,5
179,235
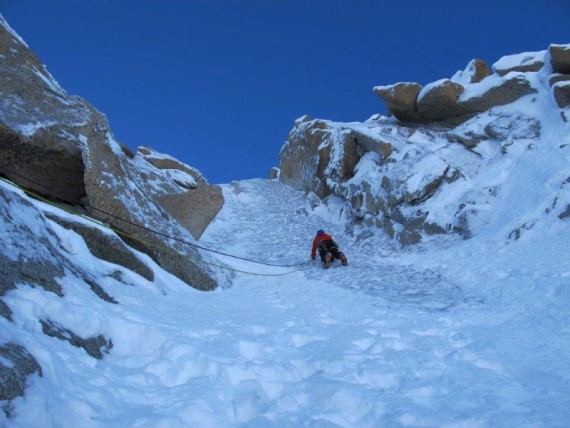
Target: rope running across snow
300,266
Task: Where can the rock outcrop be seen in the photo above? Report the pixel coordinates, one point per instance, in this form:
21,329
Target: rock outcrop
476,71
194,209
438,101
475,89
401,100
560,79
561,92
197,204
16,365
391,176
495,92
182,174
61,147
524,62
274,173
41,271
95,347
309,165
106,246
560,58
413,174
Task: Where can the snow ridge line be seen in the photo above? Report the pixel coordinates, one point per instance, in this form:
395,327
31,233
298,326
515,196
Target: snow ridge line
301,266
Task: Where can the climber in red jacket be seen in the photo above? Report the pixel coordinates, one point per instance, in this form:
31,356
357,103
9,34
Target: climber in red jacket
328,249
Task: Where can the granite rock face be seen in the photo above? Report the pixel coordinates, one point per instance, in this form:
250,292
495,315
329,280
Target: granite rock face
62,148
310,165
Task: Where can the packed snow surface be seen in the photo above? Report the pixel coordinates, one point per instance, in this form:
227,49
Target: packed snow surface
460,334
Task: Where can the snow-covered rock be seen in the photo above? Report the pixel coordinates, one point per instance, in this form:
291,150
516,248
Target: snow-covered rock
438,101
390,180
522,62
473,90
310,158
495,91
184,175
401,100
476,70
17,366
274,173
196,204
560,58
61,147
105,245
416,180
561,92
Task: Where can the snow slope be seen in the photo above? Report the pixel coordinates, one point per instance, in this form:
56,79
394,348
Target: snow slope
457,334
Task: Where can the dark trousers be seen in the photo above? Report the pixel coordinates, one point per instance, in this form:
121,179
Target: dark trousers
329,247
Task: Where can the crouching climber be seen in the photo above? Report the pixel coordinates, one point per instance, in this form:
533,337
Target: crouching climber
328,249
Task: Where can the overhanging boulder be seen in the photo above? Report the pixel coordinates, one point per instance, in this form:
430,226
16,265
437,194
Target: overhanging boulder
401,100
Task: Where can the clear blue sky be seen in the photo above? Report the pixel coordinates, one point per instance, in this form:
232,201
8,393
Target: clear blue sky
218,84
